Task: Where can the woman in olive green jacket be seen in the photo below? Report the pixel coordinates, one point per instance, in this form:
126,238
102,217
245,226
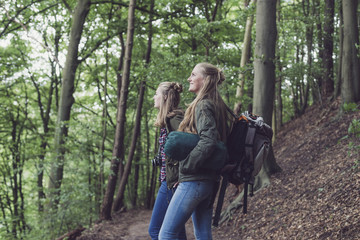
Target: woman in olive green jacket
207,117
166,99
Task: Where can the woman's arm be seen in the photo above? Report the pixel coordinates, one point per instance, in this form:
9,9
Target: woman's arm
207,131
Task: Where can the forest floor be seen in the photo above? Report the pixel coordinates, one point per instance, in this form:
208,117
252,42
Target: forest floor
316,196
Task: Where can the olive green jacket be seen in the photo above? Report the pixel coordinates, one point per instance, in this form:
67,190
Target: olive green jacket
191,168
172,166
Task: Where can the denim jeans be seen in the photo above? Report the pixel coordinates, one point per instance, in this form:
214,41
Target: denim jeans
161,204
190,199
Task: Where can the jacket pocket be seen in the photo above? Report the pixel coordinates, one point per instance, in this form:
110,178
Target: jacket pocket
172,172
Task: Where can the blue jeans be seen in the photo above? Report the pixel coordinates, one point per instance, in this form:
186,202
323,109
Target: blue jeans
161,204
190,199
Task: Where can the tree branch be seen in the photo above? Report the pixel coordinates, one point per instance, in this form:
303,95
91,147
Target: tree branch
23,26
67,6
97,45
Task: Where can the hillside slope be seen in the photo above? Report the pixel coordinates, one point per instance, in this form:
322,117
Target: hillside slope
316,196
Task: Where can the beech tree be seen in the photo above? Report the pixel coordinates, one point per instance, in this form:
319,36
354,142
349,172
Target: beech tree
120,120
264,88
328,62
66,100
264,78
264,65
350,70
278,106
245,57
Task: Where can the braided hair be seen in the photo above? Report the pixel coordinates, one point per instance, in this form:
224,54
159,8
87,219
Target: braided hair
169,104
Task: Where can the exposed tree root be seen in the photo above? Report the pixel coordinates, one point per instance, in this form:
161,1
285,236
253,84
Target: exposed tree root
261,181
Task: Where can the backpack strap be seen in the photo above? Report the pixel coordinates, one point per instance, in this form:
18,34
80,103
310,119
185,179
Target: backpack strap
249,142
231,112
168,125
220,201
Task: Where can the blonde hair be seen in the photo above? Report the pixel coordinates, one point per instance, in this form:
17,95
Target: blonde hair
213,77
169,104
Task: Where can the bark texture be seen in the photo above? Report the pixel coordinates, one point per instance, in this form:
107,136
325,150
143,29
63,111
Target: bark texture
118,149
350,90
66,99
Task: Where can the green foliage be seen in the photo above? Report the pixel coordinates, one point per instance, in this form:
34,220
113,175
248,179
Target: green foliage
353,137
350,107
354,128
354,149
356,165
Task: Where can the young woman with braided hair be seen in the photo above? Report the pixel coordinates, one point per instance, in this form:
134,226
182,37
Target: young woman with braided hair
166,99
206,116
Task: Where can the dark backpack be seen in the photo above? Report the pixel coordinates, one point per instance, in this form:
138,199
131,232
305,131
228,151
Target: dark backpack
248,146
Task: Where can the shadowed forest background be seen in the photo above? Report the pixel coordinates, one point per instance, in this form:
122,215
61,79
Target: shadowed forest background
77,80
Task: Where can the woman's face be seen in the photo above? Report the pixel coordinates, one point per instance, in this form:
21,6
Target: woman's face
158,98
196,80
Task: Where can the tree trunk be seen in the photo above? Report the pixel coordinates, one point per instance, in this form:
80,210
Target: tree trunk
337,91
120,194
318,77
152,181
136,171
245,57
45,117
350,90
100,194
309,48
118,78
120,126
264,84
278,82
16,204
328,78
120,64
66,100
264,79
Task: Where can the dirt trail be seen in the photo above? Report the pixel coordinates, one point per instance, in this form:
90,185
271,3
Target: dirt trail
130,225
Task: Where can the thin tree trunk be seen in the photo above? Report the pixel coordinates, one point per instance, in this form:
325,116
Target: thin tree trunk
118,203
16,203
337,91
210,17
153,181
309,49
278,82
66,100
295,86
101,182
328,78
148,165
45,117
119,80
14,186
120,126
245,58
3,212
136,171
